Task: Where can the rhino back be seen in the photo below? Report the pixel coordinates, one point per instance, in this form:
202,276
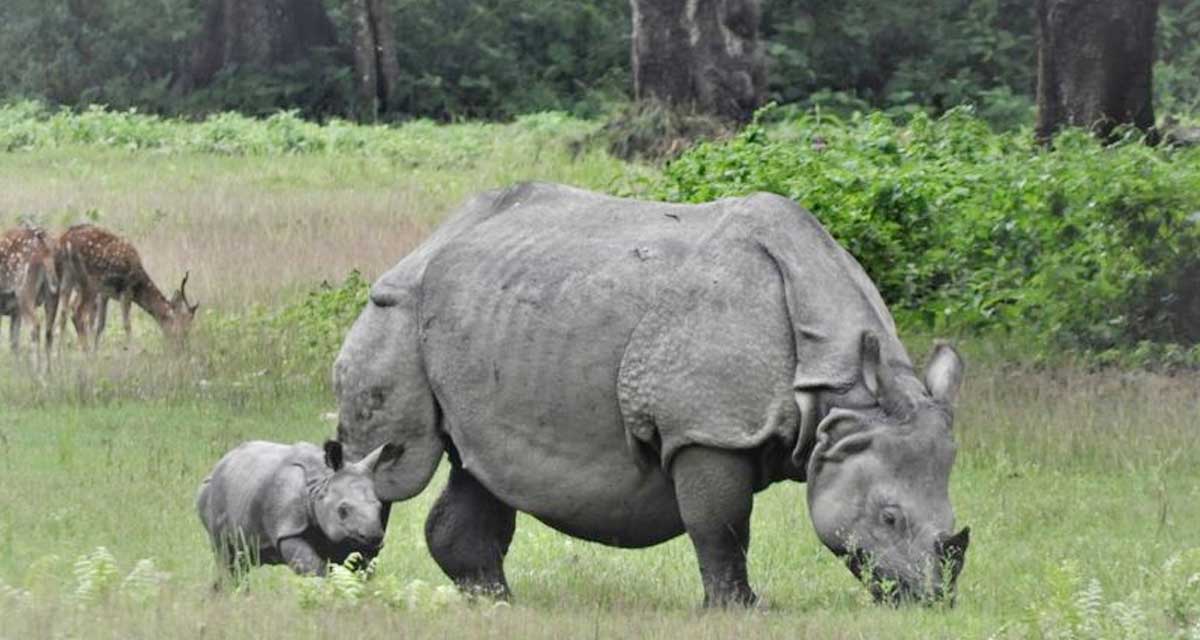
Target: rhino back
242,497
525,319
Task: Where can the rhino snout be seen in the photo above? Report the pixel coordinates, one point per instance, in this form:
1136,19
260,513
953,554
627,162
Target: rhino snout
930,581
370,536
369,542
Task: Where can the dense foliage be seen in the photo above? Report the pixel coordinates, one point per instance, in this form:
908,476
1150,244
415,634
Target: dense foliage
929,52
1088,246
498,58
458,59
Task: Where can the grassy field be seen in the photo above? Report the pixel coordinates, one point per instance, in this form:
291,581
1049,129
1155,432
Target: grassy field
1082,489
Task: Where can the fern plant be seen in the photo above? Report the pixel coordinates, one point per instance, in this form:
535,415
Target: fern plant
95,576
144,582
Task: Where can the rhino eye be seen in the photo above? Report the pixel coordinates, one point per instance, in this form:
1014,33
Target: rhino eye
343,511
889,518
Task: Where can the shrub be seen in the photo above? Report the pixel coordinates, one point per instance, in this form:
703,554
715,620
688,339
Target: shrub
320,322
655,131
1085,246
298,341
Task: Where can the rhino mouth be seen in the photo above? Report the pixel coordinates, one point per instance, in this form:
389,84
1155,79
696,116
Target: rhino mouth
364,545
891,590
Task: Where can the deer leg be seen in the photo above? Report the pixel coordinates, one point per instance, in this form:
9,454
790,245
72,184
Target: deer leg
101,311
51,304
83,320
126,305
35,338
64,301
28,312
14,332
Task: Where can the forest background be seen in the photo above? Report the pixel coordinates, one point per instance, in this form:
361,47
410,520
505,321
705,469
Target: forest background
497,59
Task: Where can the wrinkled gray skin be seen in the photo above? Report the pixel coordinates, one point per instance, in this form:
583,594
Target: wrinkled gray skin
269,503
628,371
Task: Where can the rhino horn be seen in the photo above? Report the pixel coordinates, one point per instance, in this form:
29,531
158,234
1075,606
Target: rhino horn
380,458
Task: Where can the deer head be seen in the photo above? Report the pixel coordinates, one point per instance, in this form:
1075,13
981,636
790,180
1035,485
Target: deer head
182,311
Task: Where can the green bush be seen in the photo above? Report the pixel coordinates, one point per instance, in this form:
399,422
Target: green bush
320,321
299,340
1085,246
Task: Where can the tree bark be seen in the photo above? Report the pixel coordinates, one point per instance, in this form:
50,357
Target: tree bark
1095,61
260,34
388,56
366,77
376,61
700,54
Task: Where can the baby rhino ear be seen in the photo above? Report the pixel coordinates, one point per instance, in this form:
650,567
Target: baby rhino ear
333,454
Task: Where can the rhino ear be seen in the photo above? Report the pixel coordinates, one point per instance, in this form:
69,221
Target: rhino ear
333,454
841,435
954,547
872,363
944,373
880,379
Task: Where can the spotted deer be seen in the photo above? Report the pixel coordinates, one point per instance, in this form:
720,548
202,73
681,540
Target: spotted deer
97,265
28,279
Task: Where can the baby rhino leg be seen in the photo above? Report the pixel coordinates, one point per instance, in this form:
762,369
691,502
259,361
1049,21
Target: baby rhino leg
301,557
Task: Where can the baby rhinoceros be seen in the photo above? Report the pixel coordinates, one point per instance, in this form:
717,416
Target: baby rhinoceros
270,503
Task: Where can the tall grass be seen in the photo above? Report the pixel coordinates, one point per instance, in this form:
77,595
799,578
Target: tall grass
284,204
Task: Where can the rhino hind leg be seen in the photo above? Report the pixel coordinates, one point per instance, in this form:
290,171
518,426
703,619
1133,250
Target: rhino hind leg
715,490
468,532
234,560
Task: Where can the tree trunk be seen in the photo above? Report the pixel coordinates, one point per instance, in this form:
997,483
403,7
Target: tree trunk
260,34
376,61
366,77
700,54
388,56
1095,59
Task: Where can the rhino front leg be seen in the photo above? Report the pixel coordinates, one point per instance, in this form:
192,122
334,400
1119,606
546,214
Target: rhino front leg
468,532
715,491
301,557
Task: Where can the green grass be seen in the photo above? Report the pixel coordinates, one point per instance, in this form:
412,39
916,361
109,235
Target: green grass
1080,487
1076,471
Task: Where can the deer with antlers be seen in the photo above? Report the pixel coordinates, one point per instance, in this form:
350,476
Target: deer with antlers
28,279
96,265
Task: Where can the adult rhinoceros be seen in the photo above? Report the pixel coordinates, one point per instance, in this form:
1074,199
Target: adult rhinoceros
627,371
